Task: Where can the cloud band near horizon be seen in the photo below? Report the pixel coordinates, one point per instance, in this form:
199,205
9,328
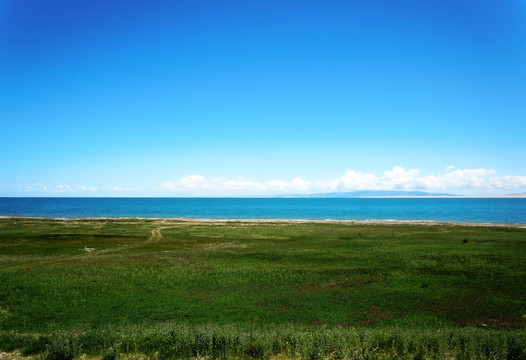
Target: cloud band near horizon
456,181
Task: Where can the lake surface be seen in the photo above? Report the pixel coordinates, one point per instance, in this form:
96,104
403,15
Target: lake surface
492,210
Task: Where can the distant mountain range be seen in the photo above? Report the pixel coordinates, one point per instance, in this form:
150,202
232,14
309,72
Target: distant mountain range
371,193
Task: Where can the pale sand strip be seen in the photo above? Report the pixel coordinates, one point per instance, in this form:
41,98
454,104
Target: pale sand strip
263,221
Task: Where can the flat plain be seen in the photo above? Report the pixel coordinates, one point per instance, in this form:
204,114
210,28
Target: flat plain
138,288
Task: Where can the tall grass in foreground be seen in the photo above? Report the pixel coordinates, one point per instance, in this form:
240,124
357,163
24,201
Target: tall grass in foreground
180,341
161,289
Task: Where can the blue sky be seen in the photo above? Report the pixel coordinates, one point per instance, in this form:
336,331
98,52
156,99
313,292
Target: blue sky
101,98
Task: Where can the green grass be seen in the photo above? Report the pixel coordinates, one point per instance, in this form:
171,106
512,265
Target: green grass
173,289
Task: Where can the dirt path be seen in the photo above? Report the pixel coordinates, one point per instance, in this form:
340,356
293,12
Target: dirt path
155,237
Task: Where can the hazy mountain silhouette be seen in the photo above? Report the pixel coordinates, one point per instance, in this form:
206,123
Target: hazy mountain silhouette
369,193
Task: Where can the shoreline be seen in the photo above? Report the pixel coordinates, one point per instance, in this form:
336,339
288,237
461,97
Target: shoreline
277,220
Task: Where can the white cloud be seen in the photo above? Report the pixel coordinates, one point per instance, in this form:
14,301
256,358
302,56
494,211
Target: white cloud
194,182
87,188
113,188
200,182
459,181
297,184
41,188
49,188
167,186
351,180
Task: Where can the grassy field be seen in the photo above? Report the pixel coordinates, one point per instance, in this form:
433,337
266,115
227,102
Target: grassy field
183,289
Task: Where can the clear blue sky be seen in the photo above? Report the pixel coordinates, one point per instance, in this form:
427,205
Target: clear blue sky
140,98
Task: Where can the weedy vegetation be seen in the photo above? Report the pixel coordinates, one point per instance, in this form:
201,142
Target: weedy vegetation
171,289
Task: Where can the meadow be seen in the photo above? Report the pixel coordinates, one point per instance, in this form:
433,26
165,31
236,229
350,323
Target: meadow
163,289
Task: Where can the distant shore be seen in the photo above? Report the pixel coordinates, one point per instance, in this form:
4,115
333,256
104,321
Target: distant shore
515,196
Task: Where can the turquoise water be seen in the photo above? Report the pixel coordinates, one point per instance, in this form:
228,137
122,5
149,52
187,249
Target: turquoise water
506,211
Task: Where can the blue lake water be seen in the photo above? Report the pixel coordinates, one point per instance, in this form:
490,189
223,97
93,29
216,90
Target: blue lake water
480,210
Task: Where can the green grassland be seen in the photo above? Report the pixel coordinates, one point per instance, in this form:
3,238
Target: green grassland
319,290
